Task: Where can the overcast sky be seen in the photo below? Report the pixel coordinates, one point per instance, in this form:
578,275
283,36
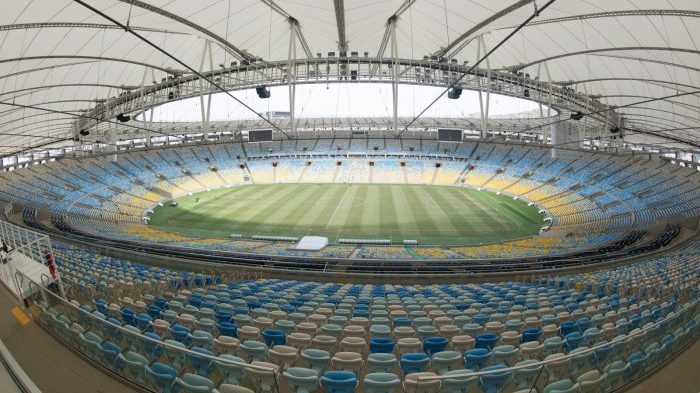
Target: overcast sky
343,100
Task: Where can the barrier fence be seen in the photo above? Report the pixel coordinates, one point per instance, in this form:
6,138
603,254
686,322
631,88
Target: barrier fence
28,252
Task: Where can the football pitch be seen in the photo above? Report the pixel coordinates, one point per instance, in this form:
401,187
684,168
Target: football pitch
432,215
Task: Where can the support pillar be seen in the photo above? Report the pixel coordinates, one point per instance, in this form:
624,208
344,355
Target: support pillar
206,111
484,109
394,76
291,76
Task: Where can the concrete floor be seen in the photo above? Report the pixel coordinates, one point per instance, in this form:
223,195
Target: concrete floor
52,366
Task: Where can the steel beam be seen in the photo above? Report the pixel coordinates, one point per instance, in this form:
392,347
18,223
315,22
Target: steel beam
81,25
293,21
613,14
612,49
339,6
457,43
232,49
98,58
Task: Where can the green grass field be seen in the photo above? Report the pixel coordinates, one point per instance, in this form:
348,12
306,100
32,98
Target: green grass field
437,215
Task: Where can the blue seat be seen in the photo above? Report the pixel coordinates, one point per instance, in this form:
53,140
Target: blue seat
273,337
151,348
381,345
493,383
180,333
112,329
162,376
572,340
143,321
414,362
531,334
128,316
432,345
339,382
153,311
109,353
636,363
227,329
486,341
567,327
475,358
203,365
401,321
583,324
223,316
160,302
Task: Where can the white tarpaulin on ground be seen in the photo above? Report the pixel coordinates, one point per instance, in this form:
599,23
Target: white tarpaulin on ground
312,243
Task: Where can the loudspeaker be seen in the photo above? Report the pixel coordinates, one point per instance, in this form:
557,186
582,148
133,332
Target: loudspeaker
576,116
262,91
84,132
526,93
454,93
123,118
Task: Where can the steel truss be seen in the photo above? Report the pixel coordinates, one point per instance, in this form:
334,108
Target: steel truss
348,70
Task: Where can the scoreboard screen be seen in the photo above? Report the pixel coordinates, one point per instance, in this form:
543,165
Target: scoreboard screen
449,135
260,136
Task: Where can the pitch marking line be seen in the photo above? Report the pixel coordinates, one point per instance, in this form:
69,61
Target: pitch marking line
340,203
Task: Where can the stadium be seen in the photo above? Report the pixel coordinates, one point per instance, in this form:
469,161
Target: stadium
278,196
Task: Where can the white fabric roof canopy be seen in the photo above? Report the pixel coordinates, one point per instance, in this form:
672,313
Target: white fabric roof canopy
60,56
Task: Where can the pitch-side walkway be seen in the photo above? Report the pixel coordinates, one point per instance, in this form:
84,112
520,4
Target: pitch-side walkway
53,367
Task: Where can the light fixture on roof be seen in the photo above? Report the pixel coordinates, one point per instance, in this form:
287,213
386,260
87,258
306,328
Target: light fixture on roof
454,93
263,91
576,116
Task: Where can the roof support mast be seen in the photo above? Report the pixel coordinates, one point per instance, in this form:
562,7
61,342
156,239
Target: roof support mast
484,109
291,76
394,75
545,129
205,111
340,22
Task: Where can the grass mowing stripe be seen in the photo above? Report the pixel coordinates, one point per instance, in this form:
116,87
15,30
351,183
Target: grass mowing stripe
458,221
424,220
429,214
436,212
486,210
455,199
369,216
287,215
512,223
327,206
405,220
252,220
239,211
